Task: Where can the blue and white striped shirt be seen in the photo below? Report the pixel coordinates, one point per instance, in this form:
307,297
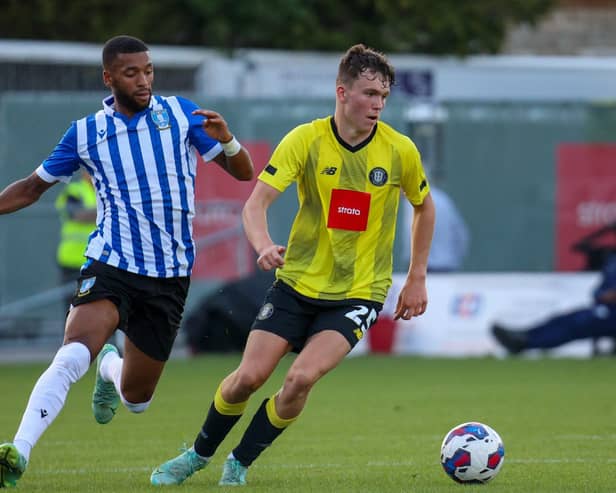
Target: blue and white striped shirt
143,169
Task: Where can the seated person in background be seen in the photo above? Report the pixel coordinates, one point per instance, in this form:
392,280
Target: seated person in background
598,320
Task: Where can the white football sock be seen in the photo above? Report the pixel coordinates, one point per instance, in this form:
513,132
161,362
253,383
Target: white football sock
138,407
47,398
111,369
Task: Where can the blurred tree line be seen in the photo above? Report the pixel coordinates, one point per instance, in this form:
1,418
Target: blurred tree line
435,27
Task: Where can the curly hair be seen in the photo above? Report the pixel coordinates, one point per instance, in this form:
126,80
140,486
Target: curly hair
360,59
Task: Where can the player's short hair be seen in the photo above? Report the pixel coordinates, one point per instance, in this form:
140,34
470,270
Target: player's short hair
360,59
121,44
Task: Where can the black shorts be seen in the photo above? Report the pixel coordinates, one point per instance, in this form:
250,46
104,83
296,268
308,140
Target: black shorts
295,317
150,308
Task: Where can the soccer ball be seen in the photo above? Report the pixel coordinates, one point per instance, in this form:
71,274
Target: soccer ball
472,453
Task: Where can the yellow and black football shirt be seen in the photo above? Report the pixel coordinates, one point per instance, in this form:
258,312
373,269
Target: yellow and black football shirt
341,243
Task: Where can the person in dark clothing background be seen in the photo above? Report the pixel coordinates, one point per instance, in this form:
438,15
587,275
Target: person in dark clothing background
597,320
222,320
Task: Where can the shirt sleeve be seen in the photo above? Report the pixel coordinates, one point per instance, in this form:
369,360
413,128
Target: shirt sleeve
206,146
414,182
287,161
63,160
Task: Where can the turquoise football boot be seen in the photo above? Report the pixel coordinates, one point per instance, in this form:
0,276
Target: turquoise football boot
178,469
105,399
12,465
233,473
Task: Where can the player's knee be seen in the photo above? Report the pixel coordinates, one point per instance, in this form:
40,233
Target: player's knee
73,359
136,407
299,381
247,382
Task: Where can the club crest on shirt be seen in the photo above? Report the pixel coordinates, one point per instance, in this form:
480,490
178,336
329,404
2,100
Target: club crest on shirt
378,176
160,117
266,311
86,285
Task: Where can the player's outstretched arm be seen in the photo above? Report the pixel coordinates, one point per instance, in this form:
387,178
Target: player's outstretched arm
22,193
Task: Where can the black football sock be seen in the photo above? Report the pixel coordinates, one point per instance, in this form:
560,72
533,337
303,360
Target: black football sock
264,428
221,417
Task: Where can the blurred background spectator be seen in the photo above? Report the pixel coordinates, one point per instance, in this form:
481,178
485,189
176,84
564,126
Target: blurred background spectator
451,240
76,206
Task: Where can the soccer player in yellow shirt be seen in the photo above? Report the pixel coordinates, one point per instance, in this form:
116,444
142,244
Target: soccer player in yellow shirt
333,277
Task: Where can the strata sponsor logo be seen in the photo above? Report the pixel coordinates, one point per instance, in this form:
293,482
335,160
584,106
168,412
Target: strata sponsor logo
349,210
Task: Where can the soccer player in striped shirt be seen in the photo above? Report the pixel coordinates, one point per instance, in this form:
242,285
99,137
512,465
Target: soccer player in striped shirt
140,151
333,276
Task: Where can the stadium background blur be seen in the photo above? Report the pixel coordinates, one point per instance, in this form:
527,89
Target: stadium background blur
522,138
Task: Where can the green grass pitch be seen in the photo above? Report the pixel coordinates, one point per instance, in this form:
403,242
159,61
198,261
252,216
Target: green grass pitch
374,424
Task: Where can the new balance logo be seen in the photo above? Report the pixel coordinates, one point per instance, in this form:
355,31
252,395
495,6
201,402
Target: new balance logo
43,413
329,170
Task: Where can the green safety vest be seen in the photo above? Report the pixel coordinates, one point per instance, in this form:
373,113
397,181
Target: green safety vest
73,234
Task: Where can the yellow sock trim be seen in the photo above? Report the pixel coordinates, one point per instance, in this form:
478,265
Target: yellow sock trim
224,407
272,415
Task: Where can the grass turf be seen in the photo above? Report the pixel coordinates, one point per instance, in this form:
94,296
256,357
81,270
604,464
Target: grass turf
374,424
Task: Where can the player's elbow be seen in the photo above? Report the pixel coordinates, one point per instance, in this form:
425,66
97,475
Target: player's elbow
245,174
34,187
241,166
